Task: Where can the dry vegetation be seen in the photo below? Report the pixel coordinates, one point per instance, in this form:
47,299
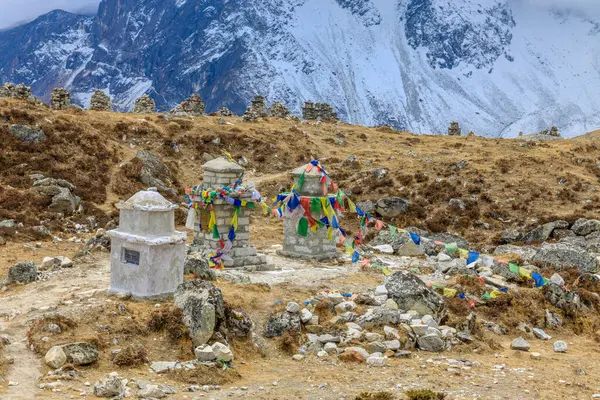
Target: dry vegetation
503,183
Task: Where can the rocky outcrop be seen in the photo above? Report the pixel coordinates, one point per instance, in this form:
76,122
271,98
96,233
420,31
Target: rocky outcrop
543,232
584,227
154,173
198,265
391,207
283,322
563,256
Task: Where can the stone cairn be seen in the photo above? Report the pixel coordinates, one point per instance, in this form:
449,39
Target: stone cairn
471,133
551,132
60,99
278,110
224,112
257,109
454,129
144,105
318,112
100,101
193,106
20,92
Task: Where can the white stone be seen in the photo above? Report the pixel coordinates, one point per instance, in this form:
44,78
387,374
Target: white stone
292,307
297,357
560,346
335,298
392,344
345,306
373,337
330,348
222,352
428,320
204,353
384,248
55,357
391,333
420,329
305,315
540,334
375,361
381,291
443,257
536,356
322,354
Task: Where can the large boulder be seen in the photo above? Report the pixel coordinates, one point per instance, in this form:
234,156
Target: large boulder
584,227
411,293
198,265
283,322
391,207
543,232
526,253
80,353
63,199
27,134
563,256
112,385
203,309
379,317
23,272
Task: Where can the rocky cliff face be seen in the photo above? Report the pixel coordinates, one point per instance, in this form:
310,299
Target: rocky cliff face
496,66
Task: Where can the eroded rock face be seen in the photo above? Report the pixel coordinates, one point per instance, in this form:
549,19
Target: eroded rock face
203,309
411,293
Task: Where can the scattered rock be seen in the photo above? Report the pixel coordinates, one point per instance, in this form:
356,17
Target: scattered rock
584,227
55,357
80,353
204,353
297,357
222,352
411,293
562,256
560,346
292,307
375,361
543,232
535,356
553,320
203,309
540,334
27,134
354,354
282,322
430,342
23,272
153,392
111,386
520,344
391,207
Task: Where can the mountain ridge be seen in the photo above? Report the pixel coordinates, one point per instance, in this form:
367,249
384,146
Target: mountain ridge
498,67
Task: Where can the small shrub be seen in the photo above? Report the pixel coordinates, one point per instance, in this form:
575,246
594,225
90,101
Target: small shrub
375,396
131,356
168,320
424,394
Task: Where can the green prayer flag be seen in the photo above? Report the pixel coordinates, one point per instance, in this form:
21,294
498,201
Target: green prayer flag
451,248
393,231
514,268
363,221
486,296
300,183
315,205
216,234
303,227
251,205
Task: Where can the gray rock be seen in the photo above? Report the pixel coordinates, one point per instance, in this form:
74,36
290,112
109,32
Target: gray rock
222,352
163,366
403,354
152,392
204,353
80,353
375,361
283,322
345,306
411,293
292,307
322,354
556,278
560,346
543,232
378,317
198,265
583,227
23,272
203,309
63,199
327,338
553,320
520,344
330,348
27,134
155,173
111,386
391,207
8,223
540,334
392,344
562,256
561,298
376,347
457,204
495,328
526,253
449,238
464,337
305,315
238,323
430,342
511,236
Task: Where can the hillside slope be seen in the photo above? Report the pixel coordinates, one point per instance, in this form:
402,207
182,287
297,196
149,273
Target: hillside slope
503,183
499,67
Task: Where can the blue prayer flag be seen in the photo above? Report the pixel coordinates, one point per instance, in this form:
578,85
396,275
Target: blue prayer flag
415,238
355,256
472,257
231,235
539,280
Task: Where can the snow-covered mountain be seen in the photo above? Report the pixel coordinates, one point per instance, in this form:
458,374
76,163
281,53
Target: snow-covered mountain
496,66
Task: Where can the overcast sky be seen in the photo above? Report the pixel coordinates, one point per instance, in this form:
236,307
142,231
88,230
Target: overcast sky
17,11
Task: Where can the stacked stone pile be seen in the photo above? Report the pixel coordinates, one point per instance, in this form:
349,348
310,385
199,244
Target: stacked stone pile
318,112
20,92
454,129
100,101
144,105
193,106
224,112
257,109
278,110
60,99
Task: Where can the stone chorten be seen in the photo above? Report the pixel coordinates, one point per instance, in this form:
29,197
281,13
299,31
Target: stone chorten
219,173
144,105
147,253
100,101
316,245
60,99
454,129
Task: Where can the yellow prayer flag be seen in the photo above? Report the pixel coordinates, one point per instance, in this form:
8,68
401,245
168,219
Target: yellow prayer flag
314,228
213,221
329,233
244,203
234,221
352,206
386,271
525,273
495,293
462,253
450,292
